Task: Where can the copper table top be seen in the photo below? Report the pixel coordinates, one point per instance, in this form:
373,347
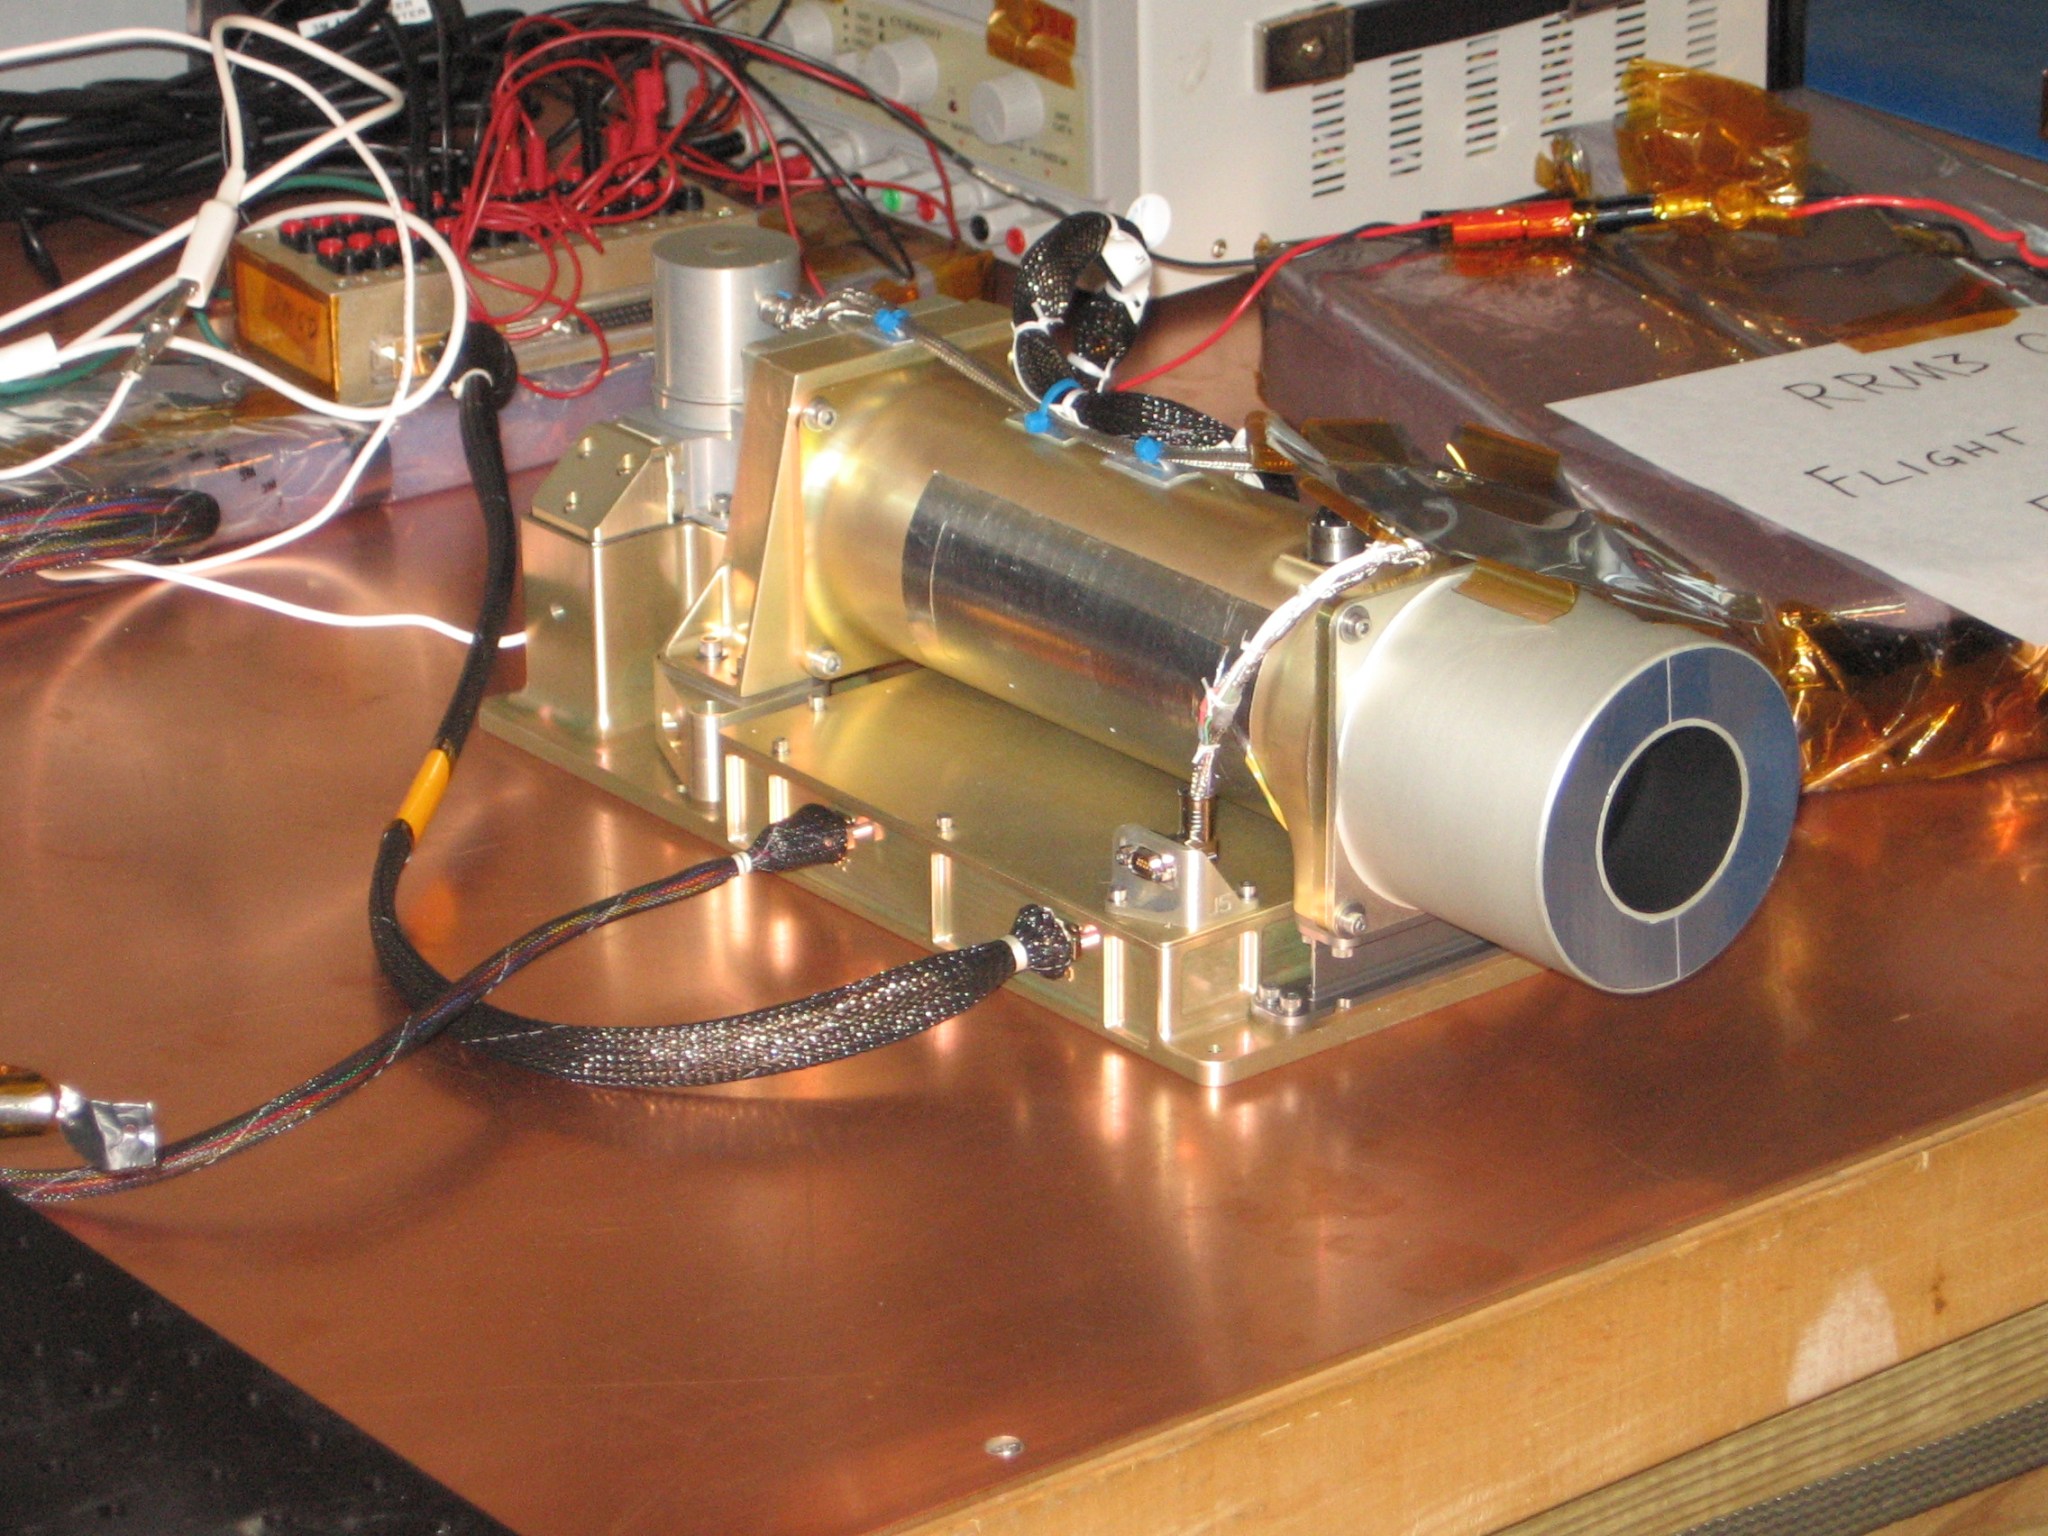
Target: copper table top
802,1305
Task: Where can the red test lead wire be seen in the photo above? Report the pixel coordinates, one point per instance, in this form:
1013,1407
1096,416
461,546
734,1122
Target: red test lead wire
1258,286
1931,205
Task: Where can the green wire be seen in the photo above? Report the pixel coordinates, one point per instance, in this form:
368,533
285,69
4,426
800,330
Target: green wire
46,383
42,384
320,181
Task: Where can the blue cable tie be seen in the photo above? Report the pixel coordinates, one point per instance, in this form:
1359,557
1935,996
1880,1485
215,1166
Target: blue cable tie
1148,449
890,322
1040,420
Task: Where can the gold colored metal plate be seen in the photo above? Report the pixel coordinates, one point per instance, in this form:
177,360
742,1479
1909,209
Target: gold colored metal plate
985,809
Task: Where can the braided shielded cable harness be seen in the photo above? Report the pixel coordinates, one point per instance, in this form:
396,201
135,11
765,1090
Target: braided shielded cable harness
827,1027
1098,329
64,528
861,313
876,1011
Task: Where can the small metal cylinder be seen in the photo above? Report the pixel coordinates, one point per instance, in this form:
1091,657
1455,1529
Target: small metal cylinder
28,1102
1331,538
710,281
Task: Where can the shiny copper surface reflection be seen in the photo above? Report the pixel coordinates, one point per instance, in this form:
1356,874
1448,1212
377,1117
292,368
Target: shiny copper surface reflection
801,1306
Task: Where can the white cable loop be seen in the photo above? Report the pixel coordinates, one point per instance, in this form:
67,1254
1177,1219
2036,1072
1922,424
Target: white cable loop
104,336
120,38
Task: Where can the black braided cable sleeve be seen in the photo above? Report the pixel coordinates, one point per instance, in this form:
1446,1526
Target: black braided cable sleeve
874,1011
430,1018
1098,328
1064,332
1127,413
813,835
48,532
827,1026
482,389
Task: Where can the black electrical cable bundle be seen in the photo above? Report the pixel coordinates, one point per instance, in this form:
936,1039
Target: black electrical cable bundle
47,533
99,150
826,1027
1068,334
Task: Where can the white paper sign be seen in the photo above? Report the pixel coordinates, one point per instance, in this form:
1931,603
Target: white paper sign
1929,461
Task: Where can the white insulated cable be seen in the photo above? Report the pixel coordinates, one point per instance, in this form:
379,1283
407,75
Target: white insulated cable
183,576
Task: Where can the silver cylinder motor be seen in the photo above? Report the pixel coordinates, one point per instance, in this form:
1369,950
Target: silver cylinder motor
710,281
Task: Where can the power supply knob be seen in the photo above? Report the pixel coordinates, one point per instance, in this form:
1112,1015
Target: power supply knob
1007,108
809,29
906,70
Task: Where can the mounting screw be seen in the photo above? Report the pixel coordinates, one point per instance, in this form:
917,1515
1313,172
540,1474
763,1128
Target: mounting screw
1119,897
1003,1447
1352,923
1248,892
569,501
1292,1003
779,749
1218,249
820,417
1310,48
1354,623
557,612
817,704
945,826
583,446
711,648
824,661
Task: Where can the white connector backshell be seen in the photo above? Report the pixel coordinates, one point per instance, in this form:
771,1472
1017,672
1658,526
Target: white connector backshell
206,250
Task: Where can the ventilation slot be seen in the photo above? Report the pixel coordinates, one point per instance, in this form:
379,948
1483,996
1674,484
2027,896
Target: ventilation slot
1404,115
1556,42
1702,33
1326,142
1482,94
1631,36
